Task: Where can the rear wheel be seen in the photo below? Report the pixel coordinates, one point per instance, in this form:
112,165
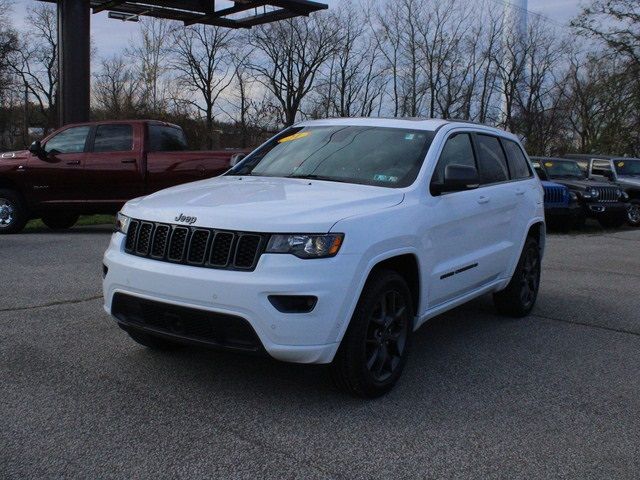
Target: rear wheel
374,350
153,342
518,299
13,213
60,221
634,213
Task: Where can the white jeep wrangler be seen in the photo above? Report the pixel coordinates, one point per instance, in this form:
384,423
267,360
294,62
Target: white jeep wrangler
331,243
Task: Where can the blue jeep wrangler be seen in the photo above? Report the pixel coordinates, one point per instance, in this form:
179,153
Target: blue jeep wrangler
561,208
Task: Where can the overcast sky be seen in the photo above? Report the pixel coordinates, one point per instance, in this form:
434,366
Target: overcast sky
111,36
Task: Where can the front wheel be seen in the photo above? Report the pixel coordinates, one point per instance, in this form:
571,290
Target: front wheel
518,299
13,214
374,350
634,213
60,221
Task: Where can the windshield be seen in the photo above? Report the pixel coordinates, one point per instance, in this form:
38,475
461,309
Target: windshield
563,168
628,167
386,157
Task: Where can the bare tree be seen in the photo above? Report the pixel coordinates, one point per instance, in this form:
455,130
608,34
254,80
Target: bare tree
36,60
117,89
149,57
353,80
614,22
288,56
203,62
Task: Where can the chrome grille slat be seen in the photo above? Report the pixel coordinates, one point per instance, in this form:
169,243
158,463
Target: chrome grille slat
195,246
607,194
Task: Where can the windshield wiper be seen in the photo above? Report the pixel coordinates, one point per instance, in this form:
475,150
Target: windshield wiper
321,177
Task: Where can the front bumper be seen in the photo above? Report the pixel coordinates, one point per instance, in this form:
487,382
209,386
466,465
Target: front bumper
605,209
297,337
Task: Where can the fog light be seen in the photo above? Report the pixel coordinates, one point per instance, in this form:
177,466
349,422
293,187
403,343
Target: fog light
293,303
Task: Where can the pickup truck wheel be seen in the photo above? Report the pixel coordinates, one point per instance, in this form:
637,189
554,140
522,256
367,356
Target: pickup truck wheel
13,214
153,342
634,213
374,350
518,299
60,221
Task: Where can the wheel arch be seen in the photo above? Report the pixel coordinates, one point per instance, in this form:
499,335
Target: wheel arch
8,184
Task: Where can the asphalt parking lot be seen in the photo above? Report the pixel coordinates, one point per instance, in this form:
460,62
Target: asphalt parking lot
555,395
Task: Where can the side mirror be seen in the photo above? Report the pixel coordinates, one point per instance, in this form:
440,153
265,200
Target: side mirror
36,148
236,159
458,178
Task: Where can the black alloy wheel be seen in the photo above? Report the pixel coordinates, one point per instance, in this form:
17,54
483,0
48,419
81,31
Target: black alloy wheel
520,295
375,348
387,336
634,213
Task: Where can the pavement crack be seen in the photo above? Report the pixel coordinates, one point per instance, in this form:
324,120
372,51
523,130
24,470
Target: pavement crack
52,304
591,325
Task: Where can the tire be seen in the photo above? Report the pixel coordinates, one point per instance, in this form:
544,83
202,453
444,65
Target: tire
13,212
612,222
153,342
634,213
60,221
518,299
375,348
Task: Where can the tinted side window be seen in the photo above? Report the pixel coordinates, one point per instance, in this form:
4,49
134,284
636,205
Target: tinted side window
493,164
518,165
71,140
113,138
166,139
457,151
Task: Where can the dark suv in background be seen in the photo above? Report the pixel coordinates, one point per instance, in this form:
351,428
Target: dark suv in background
603,201
623,171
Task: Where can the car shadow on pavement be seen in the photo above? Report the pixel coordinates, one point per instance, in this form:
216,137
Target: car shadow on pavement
463,334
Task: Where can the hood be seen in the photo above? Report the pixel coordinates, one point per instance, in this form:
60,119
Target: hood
262,204
580,184
629,181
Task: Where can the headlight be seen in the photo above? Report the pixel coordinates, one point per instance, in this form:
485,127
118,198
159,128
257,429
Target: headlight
623,195
591,193
122,223
306,246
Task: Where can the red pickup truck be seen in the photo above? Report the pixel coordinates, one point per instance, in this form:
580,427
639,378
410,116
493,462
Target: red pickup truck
95,168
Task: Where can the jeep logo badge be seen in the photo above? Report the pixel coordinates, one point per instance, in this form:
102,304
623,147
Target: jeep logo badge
184,219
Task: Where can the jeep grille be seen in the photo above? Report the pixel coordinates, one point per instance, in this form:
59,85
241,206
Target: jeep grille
202,247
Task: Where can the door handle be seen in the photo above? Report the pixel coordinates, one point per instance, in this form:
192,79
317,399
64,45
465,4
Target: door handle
519,191
129,160
483,199
73,162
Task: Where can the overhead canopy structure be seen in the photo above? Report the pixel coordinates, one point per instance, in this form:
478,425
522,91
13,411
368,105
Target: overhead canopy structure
74,32
198,11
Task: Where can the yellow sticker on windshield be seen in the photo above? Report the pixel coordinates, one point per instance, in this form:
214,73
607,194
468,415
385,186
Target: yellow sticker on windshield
548,164
295,136
621,164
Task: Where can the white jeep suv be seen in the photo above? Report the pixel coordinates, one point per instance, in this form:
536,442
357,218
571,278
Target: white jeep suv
331,243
